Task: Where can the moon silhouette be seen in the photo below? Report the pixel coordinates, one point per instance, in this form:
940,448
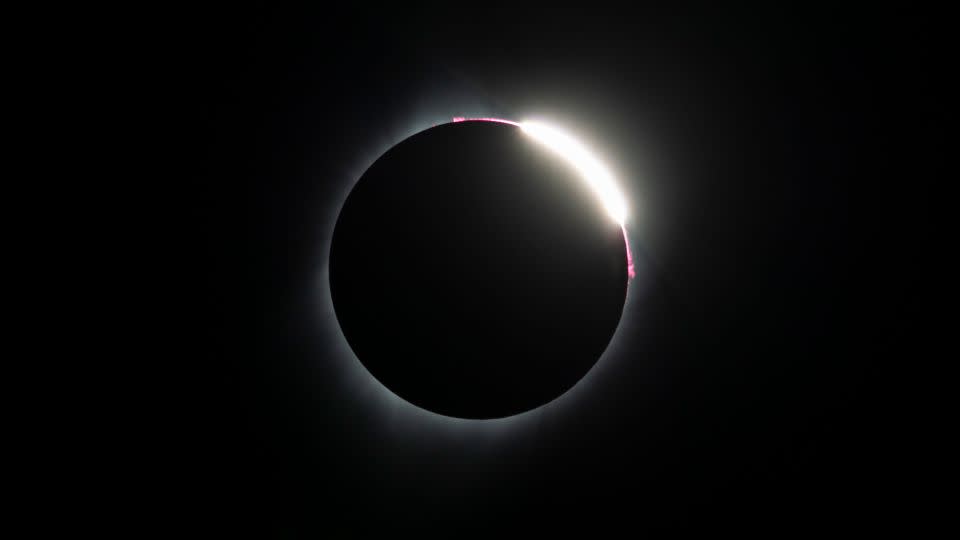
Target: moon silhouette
475,273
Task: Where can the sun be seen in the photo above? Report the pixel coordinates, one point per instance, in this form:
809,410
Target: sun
591,169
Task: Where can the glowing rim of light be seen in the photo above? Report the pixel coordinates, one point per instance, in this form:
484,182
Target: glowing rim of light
391,409
593,171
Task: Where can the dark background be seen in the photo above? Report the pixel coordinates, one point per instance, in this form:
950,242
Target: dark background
776,162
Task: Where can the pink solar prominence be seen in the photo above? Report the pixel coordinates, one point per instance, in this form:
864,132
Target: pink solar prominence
630,272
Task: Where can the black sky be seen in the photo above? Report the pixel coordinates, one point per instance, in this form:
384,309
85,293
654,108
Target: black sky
775,160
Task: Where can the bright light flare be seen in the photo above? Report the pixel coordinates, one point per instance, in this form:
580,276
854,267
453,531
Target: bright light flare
594,172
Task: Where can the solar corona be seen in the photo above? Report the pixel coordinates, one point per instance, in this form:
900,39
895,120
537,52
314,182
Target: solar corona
502,294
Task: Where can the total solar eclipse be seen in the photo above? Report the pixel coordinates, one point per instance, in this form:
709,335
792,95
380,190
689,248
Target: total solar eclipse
479,268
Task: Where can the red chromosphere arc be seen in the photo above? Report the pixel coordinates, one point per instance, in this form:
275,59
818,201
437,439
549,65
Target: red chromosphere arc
630,270
499,120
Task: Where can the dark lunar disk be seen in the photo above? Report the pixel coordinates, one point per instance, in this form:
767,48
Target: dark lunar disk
475,273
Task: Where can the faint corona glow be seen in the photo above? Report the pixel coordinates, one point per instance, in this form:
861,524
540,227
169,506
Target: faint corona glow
394,418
